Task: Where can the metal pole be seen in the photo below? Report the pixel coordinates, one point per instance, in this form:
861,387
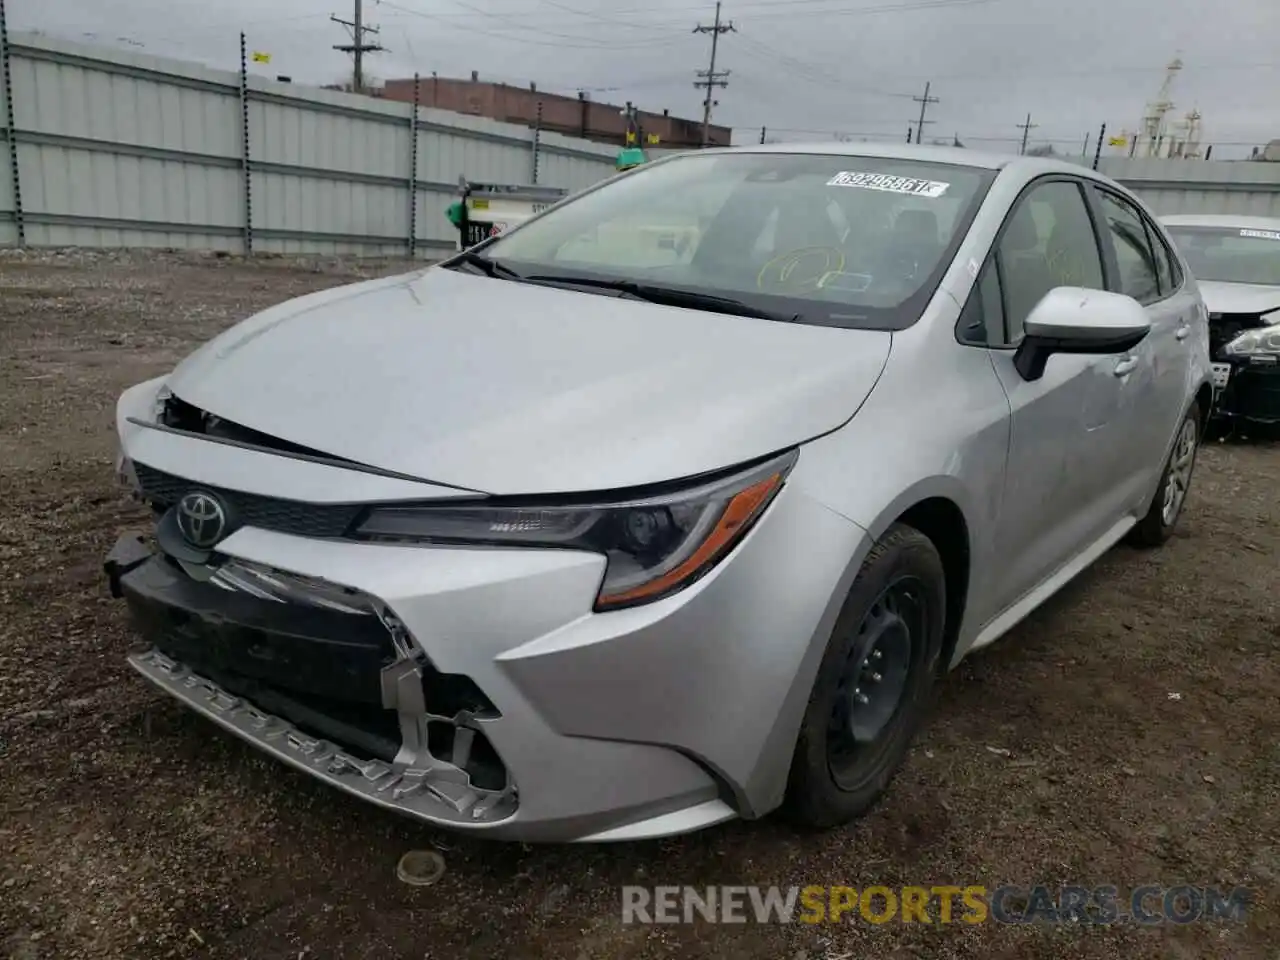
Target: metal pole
924,105
1209,152
711,75
1026,131
244,151
908,134
537,140
762,129
1084,151
10,133
1102,138
413,172
358,54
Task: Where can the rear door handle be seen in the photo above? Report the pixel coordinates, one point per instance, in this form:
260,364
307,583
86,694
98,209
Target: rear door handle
1126,366
1183,332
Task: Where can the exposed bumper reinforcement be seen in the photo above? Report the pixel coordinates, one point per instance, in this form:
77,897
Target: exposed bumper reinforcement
437,793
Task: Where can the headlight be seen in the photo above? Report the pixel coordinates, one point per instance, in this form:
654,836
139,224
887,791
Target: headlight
654,546
1265,341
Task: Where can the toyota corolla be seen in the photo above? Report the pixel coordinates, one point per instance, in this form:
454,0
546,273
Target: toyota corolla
586,535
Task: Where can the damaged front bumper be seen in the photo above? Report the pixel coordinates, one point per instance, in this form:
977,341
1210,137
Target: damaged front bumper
334,688
1250,392
329,681
421,787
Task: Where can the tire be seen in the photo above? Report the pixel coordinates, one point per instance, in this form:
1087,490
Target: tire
833,778
1175,481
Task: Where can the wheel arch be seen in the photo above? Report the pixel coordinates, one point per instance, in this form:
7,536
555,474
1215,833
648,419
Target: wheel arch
937,508
1204,401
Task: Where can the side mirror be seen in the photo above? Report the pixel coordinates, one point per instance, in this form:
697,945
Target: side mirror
1078,320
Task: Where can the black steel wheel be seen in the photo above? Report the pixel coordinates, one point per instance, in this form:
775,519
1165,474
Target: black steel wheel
873,684
875,678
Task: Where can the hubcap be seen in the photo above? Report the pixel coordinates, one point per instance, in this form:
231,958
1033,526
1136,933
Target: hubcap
1180,464
875,679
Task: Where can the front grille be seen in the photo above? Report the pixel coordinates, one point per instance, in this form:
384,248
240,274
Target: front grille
251,509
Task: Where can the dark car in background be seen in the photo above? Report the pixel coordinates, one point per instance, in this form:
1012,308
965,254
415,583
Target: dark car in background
1236,260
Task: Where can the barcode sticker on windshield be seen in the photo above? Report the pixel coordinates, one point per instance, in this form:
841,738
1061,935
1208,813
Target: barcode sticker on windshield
890,184
1261,234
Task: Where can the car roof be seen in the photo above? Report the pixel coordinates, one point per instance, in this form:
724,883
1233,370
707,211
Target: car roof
1228,220
961,156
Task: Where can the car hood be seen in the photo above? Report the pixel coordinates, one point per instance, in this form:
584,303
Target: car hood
1249,298
509,388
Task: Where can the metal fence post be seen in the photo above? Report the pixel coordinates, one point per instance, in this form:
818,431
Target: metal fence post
11,134
244,151
537,139
1102,138
413,171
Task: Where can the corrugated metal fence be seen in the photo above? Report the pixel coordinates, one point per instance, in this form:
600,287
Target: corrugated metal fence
106,148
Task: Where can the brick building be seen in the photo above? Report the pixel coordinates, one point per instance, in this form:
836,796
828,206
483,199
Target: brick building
572,116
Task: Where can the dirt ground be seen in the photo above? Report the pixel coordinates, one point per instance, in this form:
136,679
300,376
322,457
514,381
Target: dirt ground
129,828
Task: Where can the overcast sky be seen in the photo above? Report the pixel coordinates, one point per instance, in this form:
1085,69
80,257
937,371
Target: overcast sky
806,69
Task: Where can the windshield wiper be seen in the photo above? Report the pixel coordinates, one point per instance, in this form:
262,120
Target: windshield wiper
490,268
670,296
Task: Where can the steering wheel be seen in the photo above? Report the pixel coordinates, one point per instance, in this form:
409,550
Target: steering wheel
800,270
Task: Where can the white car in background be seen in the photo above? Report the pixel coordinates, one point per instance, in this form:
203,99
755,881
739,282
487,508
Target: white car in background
1236,260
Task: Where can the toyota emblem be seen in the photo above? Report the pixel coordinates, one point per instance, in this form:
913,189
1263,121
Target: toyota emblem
202,520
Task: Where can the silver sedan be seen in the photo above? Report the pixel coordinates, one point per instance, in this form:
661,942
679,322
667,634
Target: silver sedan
673,504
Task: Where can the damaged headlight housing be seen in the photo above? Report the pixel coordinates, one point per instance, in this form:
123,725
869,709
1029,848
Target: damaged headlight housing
654,545
1262,342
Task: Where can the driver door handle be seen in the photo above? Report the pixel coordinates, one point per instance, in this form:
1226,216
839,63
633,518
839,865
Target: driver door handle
1126,366
1183,331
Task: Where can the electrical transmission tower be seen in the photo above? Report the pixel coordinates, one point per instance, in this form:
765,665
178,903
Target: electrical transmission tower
357,47
924,102
1026,130
710,78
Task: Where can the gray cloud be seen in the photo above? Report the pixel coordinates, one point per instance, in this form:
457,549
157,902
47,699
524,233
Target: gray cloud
806,69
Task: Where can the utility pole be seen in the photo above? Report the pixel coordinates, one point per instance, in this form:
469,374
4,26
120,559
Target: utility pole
357,47
924,105
709,78
1026,128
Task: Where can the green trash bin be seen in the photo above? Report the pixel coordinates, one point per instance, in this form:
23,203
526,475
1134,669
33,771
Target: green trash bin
629,157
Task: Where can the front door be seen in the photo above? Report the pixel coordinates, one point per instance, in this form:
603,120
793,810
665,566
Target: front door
1060,468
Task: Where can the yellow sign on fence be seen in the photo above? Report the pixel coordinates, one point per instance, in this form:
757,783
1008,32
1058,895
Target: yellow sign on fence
259,57
1118,141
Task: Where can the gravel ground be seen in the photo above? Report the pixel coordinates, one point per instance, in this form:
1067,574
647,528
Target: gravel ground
129,828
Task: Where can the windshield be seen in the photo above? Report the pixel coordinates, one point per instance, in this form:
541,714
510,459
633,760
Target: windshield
1231,255
833,240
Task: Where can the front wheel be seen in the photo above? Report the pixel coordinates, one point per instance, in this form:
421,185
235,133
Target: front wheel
1175,481
873,684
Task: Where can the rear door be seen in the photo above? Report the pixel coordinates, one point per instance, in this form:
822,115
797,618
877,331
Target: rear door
1140,264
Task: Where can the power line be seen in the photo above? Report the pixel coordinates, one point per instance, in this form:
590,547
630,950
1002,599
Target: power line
357,47
1026,127
770,8
710,78
525,39
924,105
